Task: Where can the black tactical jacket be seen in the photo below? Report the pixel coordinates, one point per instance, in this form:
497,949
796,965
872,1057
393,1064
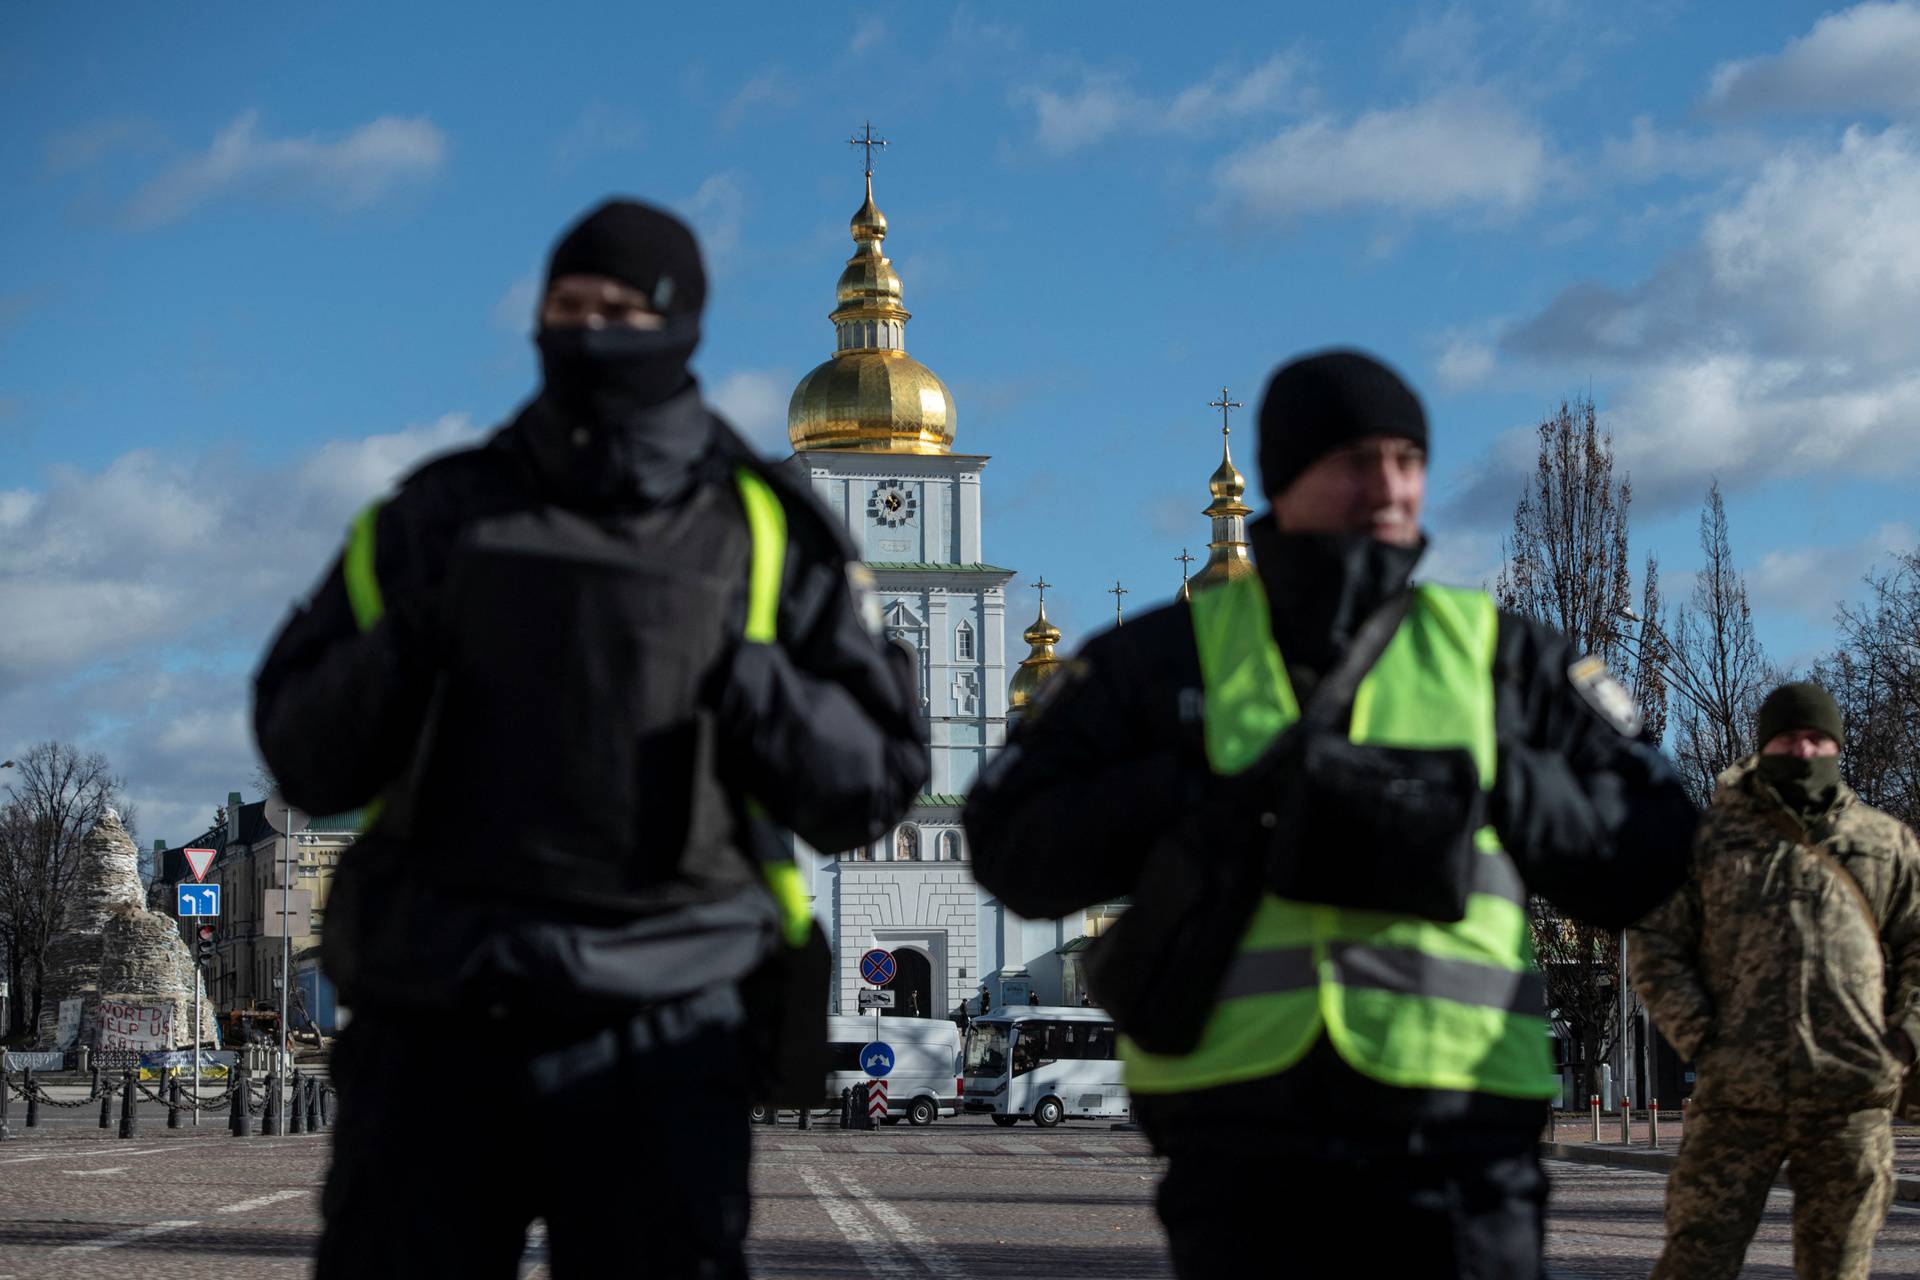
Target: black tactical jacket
563,727
1112,760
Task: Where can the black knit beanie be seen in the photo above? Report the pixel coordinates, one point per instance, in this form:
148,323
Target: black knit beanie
1327,401
637,245
1800,705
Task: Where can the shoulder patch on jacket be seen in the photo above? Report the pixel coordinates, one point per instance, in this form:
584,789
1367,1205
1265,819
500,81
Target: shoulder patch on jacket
1609,698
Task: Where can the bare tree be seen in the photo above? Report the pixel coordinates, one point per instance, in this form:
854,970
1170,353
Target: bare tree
1566,565
1719,660
1874,674
51,805
1651,657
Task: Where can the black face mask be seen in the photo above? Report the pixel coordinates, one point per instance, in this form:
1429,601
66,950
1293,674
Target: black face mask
607,375
1808,787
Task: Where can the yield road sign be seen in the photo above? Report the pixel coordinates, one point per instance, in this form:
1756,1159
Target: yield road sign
198,860
877,1100
876,1059
877,966
198,900
876,999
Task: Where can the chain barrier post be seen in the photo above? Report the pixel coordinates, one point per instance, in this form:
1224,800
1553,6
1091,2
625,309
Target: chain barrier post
129,1110
846,1108
173,1100
6,1089
294,1124
313,1105
273,1115
1626,1121
105,1091
242,1118
326,1096
1653,1124
1595,1103
806,1117
33,1101
95,1087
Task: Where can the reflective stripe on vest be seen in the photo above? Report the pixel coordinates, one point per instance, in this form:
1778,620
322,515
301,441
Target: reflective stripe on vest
1406,1001
767,531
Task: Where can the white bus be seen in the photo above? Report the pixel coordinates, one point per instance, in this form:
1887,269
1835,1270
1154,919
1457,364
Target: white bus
1045,1063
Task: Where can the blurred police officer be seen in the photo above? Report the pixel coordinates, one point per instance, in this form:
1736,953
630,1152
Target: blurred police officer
576,675
1788,969
1330,796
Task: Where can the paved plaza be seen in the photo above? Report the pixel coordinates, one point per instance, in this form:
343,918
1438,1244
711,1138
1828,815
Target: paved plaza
956,1199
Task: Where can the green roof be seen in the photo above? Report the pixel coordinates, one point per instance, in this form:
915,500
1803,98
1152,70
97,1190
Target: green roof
942,801
928,566
1072,945
354,821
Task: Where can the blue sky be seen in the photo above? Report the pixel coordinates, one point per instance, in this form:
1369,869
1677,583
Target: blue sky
252,267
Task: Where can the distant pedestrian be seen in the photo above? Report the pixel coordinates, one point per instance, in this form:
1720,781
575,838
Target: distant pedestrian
1767,969
1033,997
986,1003
576,676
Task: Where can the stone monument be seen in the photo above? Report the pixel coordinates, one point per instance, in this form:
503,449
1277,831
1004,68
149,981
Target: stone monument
115,950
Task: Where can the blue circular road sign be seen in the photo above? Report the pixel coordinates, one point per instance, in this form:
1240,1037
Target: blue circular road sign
876,1059
877,967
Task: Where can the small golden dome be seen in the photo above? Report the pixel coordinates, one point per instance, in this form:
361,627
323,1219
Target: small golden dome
871,395
1038,667
1227,552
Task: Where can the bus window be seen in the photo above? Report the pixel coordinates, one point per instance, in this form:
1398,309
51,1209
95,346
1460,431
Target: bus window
1027,1049
986,1051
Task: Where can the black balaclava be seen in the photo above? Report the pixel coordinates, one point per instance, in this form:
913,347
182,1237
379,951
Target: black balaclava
1807,786
606,376
1321,586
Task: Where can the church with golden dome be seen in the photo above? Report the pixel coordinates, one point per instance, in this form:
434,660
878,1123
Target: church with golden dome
876,431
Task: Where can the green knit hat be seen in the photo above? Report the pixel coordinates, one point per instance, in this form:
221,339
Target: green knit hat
1800,705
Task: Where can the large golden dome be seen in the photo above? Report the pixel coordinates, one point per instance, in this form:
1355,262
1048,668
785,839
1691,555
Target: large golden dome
871,396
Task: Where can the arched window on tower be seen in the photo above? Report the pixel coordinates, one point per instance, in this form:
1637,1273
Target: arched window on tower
963,643
949,846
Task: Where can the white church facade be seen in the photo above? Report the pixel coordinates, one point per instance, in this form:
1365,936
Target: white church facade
875,430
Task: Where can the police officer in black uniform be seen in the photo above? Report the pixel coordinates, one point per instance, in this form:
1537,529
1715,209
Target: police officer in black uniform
1327,944
579,676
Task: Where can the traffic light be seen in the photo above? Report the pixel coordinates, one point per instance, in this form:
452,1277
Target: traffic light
204,951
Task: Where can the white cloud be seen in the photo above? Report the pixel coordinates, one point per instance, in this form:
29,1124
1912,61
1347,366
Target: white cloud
344,174
513,313
1866,58
755,402
139,595
1464,362
1459,152
1647,152
868,35
716,212
1104,104
768,89
600,130
1812,581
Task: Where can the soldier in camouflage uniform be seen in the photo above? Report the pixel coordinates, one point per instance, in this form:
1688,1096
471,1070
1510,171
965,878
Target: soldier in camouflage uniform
1788,969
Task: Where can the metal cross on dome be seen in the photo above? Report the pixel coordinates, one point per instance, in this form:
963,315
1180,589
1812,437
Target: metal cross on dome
1041,586
1185,558
1226,406
866,139
1116,591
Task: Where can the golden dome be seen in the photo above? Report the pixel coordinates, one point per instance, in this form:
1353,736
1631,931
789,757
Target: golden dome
1227,554
1038,667
871,396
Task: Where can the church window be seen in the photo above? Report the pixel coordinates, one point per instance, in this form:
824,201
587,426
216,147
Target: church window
963,643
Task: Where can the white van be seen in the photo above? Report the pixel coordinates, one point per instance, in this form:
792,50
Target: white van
925,1081
1049,1064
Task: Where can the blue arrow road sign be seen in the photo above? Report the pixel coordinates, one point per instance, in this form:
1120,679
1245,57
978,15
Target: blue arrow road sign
877,967
876,1059
199,900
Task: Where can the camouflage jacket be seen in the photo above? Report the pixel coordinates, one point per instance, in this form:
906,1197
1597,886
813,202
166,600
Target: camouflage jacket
1763,968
